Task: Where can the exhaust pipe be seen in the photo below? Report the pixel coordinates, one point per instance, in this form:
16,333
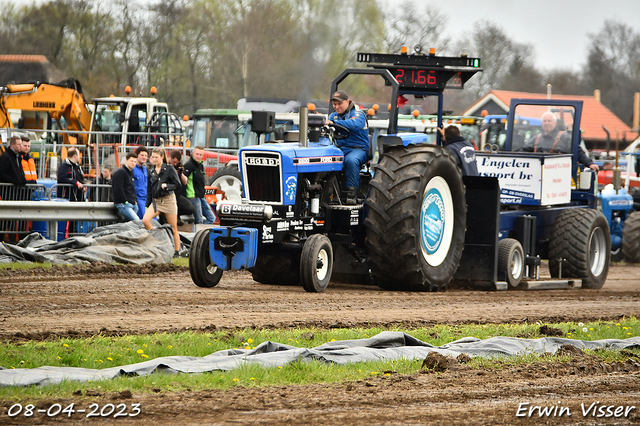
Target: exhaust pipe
304,125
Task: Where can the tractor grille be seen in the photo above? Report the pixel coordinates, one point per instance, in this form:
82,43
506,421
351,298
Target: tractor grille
263,176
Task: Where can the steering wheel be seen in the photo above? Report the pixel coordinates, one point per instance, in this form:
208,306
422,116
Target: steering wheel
340,132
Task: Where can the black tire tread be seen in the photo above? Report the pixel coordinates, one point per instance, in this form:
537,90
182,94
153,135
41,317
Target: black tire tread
307,263
631,238
570,235
276,270
505,248
391,213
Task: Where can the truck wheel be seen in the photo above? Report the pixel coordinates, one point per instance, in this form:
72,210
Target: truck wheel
511,261
416,219
631,238
279,270
228,179
316,263
203,272
581,237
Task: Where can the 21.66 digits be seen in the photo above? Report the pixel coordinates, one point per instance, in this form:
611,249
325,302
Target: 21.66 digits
94,410
416,77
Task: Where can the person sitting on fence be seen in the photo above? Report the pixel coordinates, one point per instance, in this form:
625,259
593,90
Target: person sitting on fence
124,191
70,172
104,178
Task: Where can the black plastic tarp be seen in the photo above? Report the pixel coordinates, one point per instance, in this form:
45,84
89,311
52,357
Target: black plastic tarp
386,346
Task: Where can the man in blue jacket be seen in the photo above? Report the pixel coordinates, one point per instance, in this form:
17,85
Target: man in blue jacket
356,146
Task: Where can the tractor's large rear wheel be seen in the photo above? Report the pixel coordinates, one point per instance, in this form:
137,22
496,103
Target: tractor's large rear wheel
204,273
228,179
581,238
631,238
277,269
416,218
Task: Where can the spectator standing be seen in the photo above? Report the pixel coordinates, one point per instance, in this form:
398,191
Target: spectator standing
28,163
11,166
194,171
140,178
11,172
124,191
184,205
70,172
161,198
104,178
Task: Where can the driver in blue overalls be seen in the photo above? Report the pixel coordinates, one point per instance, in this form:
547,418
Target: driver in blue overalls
356,146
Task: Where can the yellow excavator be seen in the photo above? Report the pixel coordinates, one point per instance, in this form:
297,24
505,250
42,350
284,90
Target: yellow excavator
61,100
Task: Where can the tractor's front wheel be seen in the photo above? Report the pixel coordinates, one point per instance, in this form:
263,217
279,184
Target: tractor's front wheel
316,263
204,273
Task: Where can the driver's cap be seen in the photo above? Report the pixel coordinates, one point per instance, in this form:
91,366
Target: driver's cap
340,96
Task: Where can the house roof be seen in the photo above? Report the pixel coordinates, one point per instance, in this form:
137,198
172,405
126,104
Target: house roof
594,114
23,58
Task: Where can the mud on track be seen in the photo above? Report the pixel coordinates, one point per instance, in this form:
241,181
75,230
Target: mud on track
46,304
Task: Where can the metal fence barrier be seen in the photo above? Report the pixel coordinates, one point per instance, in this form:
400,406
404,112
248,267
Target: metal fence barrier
36,208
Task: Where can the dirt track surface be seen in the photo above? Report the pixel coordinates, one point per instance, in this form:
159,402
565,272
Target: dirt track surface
45,304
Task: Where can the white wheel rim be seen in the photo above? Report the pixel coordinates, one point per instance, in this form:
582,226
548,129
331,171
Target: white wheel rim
436,221
597,251
212,269
231,186
517,264
322,271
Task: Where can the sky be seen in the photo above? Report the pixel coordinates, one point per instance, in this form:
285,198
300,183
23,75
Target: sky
558,29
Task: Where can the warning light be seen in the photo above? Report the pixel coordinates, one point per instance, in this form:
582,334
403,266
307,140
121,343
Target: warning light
415,113
154,90
371,112
432,51
127,90
403,50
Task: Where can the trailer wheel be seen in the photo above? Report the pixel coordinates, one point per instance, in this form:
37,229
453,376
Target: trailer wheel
279,270
316,263
511,261
203,272
581,236
631,238
416,219
228,179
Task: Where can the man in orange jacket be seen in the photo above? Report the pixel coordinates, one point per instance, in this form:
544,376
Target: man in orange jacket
28,163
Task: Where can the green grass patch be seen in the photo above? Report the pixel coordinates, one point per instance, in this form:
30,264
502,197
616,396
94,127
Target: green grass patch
100,352
13,266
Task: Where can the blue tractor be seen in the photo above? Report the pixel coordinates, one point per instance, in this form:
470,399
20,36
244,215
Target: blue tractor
418,224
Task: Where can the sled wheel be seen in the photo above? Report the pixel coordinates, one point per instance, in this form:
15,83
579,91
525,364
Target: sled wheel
511,261
581,237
